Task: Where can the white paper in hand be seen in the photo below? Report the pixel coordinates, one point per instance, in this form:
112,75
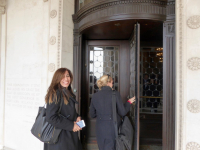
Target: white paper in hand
81,124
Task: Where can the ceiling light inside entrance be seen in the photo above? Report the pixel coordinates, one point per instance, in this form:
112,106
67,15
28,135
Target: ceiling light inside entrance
117,24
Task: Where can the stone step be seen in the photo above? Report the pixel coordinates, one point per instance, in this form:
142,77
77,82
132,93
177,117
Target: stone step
142,147
150,147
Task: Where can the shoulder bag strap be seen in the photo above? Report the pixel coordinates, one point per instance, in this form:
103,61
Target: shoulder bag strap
61,103
114,113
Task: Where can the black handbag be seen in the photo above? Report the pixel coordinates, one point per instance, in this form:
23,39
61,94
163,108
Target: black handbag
124,135
43,130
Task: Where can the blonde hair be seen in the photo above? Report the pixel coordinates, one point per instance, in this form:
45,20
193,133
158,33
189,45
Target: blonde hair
103,81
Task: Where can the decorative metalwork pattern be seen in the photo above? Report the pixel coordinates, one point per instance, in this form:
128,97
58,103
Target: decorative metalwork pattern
192,146
194,106
103,60
52,40
152,80
51,67
193,63
53,13
194,22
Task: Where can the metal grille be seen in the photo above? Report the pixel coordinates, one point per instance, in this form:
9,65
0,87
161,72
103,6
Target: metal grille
151,93
103,60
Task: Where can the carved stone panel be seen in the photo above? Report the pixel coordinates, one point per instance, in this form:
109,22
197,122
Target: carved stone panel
192,146
2,6
170,28
51,67
194,106
53,13
194,22
3,3
193,63
2,10
52,40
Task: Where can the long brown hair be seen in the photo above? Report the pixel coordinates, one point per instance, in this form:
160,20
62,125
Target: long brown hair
55,85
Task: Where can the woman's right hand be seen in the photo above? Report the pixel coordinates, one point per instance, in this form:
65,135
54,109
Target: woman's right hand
132,99
76,127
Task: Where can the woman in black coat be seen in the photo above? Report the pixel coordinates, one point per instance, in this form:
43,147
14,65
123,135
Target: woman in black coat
101,108
60,92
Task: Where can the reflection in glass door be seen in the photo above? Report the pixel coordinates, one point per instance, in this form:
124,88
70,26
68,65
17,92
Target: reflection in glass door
151,95
103,60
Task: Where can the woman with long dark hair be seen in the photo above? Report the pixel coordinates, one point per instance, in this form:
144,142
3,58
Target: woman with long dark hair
101,108
60,91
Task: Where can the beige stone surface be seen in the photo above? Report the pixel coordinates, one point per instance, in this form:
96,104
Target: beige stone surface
66,59
2,78
37,40
26,60
67,39
188,73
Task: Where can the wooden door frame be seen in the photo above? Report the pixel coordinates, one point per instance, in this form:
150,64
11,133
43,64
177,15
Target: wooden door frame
123,44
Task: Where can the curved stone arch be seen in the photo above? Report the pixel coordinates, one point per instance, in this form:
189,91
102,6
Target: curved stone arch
119,10
109,19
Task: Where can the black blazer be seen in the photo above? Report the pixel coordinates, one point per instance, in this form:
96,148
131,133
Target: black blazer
101,108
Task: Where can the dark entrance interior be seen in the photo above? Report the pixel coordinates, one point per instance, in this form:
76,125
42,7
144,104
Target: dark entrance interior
115,39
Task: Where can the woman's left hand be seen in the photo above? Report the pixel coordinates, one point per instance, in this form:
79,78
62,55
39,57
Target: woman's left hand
78,119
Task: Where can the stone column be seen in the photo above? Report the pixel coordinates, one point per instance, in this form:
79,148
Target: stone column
169,78
67,34
60,36
2,69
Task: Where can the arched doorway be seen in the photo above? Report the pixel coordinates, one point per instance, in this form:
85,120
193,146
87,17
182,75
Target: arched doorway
108,27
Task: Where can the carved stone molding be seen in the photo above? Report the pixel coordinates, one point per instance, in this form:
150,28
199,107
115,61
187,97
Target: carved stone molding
180,52
103,11
2,10
192,146
194,22
76,38
170,28
59,33
194,106
3,3
2,6
51,67
52,40
94,7
170,8
53,13
193,63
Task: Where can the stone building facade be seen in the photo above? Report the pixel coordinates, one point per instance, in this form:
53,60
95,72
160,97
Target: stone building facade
37,37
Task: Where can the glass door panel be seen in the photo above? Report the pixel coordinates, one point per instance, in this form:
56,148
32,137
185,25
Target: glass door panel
103,60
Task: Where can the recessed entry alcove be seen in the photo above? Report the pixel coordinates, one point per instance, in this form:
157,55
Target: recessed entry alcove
136,49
